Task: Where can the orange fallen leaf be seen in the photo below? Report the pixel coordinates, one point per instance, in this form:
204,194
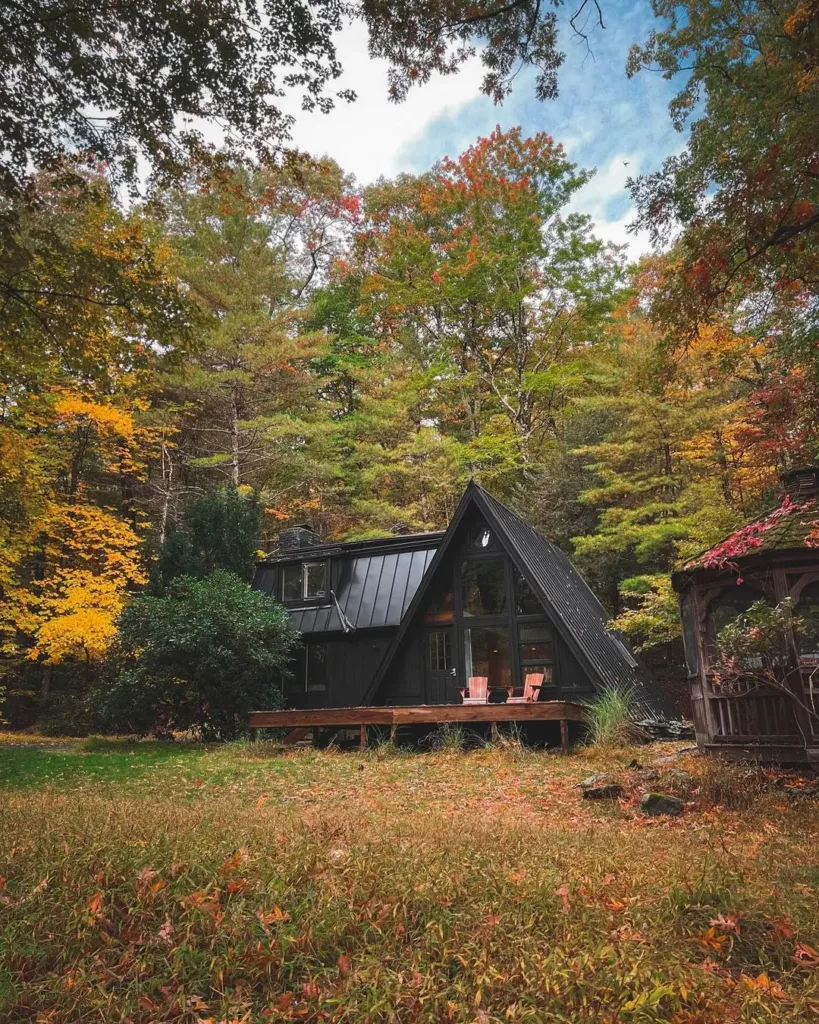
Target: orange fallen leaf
763,984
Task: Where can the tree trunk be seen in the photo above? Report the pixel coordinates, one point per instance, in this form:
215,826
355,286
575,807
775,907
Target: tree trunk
45,685
234,432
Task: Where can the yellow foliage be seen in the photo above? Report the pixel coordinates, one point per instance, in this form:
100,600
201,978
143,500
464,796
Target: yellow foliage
93,561
105,418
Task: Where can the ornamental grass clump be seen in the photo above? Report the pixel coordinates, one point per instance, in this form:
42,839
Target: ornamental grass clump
609,718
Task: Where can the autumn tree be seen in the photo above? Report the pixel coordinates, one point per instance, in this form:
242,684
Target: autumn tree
691,446
478,269
251,245
744,193
74,379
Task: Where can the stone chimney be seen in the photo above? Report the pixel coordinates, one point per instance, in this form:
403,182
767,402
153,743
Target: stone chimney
297,538
801,484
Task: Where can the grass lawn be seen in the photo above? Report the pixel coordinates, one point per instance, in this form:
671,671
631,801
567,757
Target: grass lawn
161,882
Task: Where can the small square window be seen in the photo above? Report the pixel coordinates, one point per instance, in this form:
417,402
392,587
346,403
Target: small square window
304,581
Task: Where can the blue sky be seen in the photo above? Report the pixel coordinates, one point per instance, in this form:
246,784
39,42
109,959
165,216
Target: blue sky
605,120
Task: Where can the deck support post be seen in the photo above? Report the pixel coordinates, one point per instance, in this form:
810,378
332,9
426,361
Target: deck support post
564,735
363,734
393,733
493,731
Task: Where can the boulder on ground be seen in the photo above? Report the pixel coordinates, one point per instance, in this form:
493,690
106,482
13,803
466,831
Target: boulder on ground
606,791
600,787
656,804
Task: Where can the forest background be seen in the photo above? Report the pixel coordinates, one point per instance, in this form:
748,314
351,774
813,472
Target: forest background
247,339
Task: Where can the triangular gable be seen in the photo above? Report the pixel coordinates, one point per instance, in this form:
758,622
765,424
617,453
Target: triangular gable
567,599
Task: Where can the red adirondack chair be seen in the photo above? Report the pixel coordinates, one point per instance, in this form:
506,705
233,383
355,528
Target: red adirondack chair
478,690
532,685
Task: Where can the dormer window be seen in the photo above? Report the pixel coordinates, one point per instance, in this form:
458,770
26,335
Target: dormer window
303,581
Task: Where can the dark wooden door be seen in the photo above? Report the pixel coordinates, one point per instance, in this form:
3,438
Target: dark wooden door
441,669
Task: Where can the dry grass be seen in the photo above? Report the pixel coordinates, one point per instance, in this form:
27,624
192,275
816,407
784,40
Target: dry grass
196,885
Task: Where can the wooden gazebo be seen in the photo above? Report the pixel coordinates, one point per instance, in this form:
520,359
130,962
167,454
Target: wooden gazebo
773,558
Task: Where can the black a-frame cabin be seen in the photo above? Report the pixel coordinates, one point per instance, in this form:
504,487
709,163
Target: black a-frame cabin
408,620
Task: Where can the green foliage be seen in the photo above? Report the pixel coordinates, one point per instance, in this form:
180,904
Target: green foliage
198,659
654,615
218,530
757,645
609,717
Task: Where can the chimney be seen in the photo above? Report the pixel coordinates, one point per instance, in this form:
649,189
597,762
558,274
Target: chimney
801,484
297,538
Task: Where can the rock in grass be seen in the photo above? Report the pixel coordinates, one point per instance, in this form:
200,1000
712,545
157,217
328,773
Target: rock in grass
595,780
606,791
655,804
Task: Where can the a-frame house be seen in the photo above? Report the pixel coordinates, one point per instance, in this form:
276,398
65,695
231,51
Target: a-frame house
498,600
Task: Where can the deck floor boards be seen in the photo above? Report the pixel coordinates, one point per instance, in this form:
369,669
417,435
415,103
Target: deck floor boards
419,714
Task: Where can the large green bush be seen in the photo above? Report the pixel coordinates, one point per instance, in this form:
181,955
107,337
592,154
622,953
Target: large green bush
199,658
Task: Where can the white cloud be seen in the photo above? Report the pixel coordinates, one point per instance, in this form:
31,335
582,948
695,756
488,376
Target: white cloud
607,189
366,137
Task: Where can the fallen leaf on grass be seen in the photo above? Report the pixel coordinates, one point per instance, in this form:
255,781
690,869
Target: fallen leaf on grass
274,916
782,928
727,924
764,985
806,955
711,940
563,893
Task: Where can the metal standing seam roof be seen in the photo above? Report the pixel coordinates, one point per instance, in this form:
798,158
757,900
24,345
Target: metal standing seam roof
374,589
567,599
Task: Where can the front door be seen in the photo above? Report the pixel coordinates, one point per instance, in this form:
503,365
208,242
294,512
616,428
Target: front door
441,670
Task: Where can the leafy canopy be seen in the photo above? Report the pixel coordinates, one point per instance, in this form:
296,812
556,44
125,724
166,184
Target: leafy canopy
128,80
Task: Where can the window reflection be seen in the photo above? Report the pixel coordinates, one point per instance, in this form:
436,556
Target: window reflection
486,653
525,601
725,608
483,587
808,611
441,608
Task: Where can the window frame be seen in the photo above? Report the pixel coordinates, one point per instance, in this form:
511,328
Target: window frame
304,598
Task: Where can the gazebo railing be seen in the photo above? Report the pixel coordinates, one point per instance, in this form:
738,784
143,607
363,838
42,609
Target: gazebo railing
757,716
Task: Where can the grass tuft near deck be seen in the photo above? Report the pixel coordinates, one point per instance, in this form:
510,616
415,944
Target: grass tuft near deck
156,882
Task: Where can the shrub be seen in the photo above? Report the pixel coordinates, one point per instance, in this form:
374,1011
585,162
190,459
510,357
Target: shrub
609,718
199,659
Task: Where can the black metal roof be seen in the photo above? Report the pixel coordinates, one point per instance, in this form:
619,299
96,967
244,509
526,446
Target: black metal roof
375,585
575,611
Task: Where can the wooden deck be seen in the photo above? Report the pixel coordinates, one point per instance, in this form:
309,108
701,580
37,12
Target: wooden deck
422,714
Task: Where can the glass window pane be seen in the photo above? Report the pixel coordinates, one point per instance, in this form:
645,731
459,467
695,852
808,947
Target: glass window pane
483,586
291,582
547,671
808,610
316,668
315,579
535,631
525,601
441,609
440,650
536,652
486,653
